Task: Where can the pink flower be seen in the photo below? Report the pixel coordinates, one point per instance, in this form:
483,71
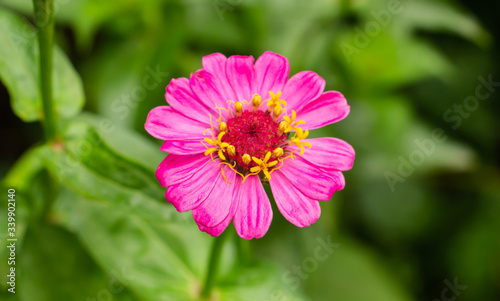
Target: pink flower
235,125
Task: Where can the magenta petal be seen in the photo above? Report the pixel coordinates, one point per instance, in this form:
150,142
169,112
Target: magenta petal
329,153
216,64
218,229
180,97
338,178
254,214
297,208
165,123
204,85
194,190
301,89
183,147
329,108
271,73
310,180
240,74
215,208
175,169
183,136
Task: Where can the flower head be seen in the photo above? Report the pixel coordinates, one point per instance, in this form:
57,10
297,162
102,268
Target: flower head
228,130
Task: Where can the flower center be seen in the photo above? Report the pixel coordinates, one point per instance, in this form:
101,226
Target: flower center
255,134
251,141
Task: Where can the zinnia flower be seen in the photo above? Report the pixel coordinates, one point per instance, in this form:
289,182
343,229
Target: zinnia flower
234,126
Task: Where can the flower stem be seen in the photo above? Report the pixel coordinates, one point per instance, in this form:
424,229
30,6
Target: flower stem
44,20
244,250
213,266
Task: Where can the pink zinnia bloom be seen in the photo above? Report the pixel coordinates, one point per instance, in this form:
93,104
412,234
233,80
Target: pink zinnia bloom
235,125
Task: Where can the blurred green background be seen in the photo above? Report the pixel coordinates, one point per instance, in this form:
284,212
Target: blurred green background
417,215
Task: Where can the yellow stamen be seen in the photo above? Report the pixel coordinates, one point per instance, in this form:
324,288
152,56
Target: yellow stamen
263,165
291,124
222,126
238,107
256,100
275,101
282,127
277,112
246,159
299,135
278,152
231,150
220,146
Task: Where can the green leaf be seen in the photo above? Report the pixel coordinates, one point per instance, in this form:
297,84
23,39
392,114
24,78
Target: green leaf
23,171
122,241
20,178
55,253
19,71
128,144
89,148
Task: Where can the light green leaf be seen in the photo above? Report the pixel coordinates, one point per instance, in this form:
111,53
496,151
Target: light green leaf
19,61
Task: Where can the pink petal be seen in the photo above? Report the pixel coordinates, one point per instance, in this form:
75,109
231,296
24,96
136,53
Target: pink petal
204,85
175,169
297,208
218,229
165,123
195,189
254,214
338,178
183,147
216,207
240,74
271,73
301,89
329,153
215,63
180,97
329,108
309,179
183,136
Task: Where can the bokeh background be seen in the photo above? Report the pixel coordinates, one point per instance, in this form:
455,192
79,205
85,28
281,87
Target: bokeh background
411,220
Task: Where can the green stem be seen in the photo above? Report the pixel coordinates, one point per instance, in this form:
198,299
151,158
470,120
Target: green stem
213,266
44,20
244,250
